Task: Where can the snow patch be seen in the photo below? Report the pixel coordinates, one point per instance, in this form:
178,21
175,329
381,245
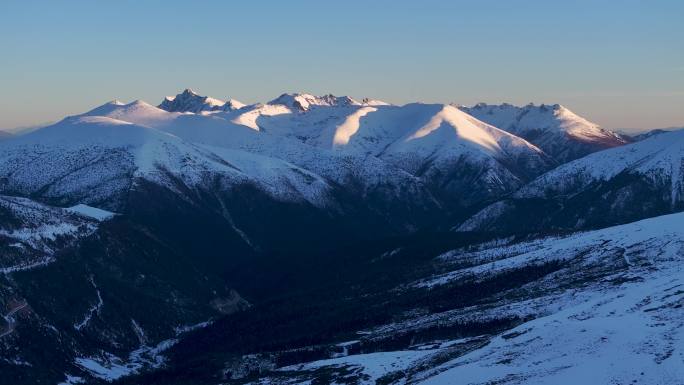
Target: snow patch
91,212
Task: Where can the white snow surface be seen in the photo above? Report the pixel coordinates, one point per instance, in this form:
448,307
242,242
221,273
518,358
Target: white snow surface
91,212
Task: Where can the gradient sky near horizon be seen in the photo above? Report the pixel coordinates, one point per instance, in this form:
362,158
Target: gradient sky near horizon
619,63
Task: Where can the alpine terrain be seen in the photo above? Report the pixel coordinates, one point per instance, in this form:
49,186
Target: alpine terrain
326,239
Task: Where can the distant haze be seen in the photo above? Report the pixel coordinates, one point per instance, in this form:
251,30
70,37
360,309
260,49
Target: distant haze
619,64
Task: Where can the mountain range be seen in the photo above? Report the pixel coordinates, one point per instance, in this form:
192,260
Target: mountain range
323,238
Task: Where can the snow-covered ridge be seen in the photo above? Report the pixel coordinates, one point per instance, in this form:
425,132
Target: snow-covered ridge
97,158
616,185
558,131
660,157
413,137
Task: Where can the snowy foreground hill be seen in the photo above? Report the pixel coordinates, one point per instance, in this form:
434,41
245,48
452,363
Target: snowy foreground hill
610,314
324,239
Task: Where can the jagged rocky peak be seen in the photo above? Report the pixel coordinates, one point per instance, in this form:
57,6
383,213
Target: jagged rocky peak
190,101
232,105
303,102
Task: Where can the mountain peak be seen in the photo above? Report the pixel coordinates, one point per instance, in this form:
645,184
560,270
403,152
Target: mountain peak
190,101
109,107
303,101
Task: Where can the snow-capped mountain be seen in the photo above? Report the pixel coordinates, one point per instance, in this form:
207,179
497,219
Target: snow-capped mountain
296,148
562,134
189,101
265,157
638,180
437,143
94,160
118,151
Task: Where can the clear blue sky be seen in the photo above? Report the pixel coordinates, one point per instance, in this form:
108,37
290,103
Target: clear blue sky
619,63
